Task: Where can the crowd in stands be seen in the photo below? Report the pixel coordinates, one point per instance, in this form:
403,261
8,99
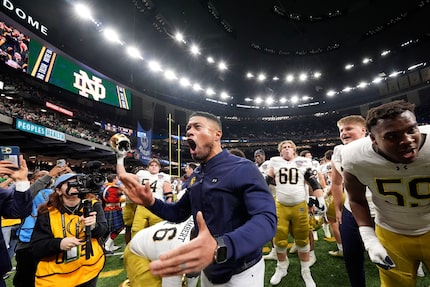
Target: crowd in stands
28,103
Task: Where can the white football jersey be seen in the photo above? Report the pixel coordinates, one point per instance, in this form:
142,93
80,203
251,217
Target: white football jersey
325,170
264,167
156,182
400,192
290,181
159,238
336,158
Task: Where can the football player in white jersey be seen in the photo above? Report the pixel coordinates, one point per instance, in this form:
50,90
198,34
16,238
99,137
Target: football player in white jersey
291,173
263,167
324,178
151,242
158,181
161,189
351,128
260,161
394,162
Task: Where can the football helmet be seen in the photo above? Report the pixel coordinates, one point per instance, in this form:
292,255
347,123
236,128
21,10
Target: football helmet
316,220
120,143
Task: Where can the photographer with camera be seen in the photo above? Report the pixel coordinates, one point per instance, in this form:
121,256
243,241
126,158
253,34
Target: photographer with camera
60,237
40,188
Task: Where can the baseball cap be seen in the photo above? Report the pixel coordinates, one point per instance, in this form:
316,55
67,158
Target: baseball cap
259,151
63,178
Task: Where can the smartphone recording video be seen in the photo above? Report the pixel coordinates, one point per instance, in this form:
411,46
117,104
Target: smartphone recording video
61,162
10,153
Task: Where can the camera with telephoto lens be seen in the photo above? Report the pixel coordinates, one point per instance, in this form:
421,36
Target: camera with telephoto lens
91,182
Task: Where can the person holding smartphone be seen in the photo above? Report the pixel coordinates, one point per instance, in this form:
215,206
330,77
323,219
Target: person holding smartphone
14,203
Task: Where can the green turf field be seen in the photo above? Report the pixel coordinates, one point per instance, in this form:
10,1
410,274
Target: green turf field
327,271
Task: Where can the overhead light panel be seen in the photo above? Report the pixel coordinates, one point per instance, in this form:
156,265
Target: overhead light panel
197,87
362,85
210,92
179,37
134,53
385,53
367,60
289,78
83,11
195,50
112,35
303,77
170,75
349,66
222,66
224,95
154,66
294,99
184,82
261,77
331,93
270,100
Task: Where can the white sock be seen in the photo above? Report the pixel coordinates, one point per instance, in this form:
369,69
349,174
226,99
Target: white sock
305,264
283,264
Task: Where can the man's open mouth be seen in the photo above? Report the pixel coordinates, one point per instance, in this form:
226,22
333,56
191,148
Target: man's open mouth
191,144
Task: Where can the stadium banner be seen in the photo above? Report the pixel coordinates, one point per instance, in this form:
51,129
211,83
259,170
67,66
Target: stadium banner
21,52
48,66
32,128
144,144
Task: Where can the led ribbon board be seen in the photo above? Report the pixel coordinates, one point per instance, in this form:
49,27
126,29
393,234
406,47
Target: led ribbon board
46,65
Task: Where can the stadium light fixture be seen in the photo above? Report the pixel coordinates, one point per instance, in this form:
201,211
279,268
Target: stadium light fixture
134,52
154,66
289,78
224,95
83,11
261,77
111,35
222,66
170,75
195,50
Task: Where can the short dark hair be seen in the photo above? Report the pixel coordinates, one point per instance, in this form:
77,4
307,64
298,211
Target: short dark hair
207,115
237,152
154,160
111,177
387,111
328,154
192,165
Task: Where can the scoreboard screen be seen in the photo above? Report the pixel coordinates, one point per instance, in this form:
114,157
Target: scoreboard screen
48,66
20,52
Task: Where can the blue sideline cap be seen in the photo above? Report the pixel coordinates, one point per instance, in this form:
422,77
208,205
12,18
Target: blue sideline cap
63,178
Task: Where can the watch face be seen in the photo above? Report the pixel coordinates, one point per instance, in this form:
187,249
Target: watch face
221,254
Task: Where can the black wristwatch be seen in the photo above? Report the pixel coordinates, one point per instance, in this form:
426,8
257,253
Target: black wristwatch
220,254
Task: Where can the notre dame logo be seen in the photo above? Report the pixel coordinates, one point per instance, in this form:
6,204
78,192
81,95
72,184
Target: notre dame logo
87,86
192,181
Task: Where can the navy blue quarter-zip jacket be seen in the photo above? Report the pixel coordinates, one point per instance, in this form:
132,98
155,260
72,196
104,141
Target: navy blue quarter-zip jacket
236,204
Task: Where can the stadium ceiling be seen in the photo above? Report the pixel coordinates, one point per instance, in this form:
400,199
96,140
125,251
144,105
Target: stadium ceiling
278,56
